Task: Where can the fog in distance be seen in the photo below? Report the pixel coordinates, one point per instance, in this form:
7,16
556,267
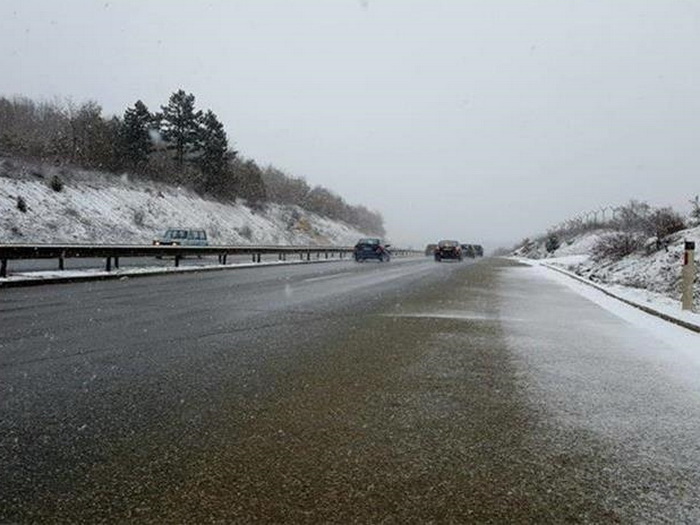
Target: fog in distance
482,121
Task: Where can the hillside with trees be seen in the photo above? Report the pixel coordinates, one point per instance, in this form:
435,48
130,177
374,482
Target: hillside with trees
176,144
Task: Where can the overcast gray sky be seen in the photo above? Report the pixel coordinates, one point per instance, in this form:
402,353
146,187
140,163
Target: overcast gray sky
479,120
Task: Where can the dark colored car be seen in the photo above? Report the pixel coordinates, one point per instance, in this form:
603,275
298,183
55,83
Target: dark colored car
448,250
469,250
371,249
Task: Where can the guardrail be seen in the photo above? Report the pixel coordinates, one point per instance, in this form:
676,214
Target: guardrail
112,253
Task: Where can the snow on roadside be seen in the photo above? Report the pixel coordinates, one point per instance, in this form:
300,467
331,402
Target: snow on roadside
656,301
684,340
650,277
103,208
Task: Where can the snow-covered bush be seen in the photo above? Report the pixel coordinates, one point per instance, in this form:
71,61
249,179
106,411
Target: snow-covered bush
553,243
616,245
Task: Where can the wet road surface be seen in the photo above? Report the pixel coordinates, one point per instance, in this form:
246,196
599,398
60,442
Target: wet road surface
407,392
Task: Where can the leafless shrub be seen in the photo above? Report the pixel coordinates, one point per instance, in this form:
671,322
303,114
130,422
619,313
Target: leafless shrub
616,245
553,243
21,204
246,232
56,184
139,218
664,222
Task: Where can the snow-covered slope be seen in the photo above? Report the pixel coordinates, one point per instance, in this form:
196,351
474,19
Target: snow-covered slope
99,207
658,272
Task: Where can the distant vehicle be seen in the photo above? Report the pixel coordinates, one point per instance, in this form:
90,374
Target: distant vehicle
430,250
448,250
371,248
472,250
182,237
469,250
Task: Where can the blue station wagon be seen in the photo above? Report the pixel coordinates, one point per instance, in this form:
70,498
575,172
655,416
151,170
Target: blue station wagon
182,237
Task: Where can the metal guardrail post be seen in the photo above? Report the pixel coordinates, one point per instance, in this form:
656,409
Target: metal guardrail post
116,263
3,268
258,256
108,265
177,260
61,261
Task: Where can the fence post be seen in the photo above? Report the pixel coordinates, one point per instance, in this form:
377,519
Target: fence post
108,265
61,261
116,263
3,268
177,260
688,276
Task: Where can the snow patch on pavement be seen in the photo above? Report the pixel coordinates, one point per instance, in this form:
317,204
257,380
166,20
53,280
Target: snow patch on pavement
684,341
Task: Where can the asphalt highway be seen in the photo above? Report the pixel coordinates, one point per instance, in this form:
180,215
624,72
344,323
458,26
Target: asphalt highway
407,392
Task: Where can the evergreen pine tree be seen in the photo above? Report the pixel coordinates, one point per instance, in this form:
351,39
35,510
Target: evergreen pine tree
135,136
179,125
214,155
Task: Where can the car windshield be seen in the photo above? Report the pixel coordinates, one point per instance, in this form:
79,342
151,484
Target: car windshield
368,241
